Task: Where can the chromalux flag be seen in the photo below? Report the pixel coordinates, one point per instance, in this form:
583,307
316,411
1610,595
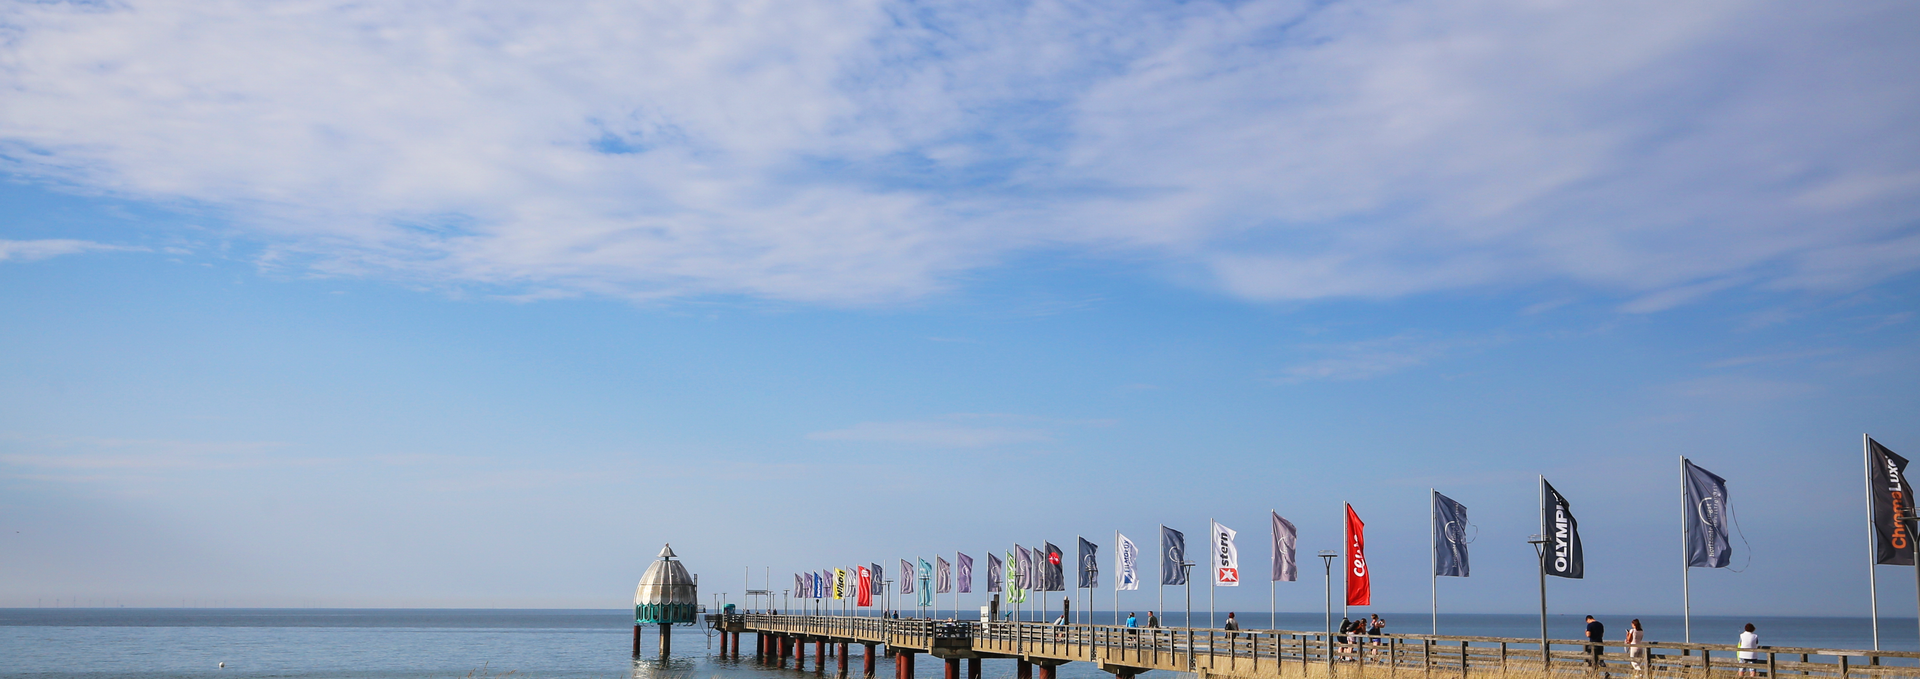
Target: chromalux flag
906,576
1285,543
1449,537
864,582
1564,558
965,565
942,575
1126,562
1056,569
1173,552
1359,584
1706,523
1891,497
1089,570
993,572
1225,558
879,581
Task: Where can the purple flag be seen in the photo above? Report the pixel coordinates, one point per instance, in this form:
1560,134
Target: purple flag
966,573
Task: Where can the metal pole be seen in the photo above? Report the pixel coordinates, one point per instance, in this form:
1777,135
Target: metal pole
1546,658
1686,580
1116,578
1433,563
1873,543
1346,563
1911,527
1213,568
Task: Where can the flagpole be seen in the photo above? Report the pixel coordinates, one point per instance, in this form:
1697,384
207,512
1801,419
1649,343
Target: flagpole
1686,587
1873,543
1273,609
1163,566
1117,568
1433,563
1213,535
1546,657
1346,566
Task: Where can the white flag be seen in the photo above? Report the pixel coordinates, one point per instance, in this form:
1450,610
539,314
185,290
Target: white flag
1226,557
1126,562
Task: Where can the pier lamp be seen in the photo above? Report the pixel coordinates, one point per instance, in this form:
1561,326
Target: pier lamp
1539,543
1326,559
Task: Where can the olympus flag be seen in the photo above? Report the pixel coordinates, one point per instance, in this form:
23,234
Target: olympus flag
1173,553
1449,537
1285,542
994,575
1089,570
1359,581
1226,557
1891,497
965,565
942,576
1706,493
1126,564
1564,556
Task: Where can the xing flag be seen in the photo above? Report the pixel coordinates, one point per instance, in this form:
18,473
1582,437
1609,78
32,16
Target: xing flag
965,564
942,576
1706,523
1173,553
1126,562
1564,557
1020,573
1285,544
906,576
863,584
1089,570
1225,558
925,575
1056,569
1359,581
1449,537
839,583
879,585
1891,497
1015,593
994,574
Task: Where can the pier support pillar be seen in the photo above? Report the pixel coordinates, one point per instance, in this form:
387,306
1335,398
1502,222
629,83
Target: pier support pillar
903,665
799,654
953,668
666,639
1022,669
636,640
866,661
736,644
1046,671
820,655
840,653
973,668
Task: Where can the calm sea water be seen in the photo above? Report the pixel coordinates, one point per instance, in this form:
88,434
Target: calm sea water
386,643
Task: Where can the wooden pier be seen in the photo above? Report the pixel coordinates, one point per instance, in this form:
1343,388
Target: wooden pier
1269,654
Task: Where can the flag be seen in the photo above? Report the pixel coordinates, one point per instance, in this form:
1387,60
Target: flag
1020,571
1706,525
1173,552
1226,557
879,585
1564,558
863,586
823,585
925,575
806,588
1285,541
839,583
994,573
1359,581
965,565
1015,593
1056,569
1126,562
906,576
1089,569
942,576
1449,537
1891,497
799,586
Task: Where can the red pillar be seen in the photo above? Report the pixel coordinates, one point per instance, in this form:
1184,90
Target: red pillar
799,654
973,668
736,644
1046,672
841,653
866,661
1022,669
953,668
636,640
820,654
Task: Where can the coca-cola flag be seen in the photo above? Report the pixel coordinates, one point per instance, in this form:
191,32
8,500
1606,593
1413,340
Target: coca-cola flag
1359,585
1891,497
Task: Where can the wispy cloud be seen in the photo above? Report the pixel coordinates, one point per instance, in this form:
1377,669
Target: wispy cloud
866,152
29,250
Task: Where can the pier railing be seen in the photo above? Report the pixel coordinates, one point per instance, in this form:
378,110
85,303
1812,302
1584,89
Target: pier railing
1284,653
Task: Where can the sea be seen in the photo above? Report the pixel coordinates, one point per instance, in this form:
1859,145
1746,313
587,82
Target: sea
76,643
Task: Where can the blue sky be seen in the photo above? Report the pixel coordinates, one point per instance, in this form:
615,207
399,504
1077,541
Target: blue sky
455,304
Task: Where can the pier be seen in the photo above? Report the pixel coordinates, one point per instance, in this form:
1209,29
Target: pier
1039,648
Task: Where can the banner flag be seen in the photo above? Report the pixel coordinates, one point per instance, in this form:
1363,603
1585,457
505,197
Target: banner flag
1020,569
1056,569
1890,497
879,586
994,573
906,576
1359,581
965,564
942,576
1565,558
1126,562
1449,537
1015,593
839,583
1226,557
1089,570
863,586
823,585
925,576
1706,493
1173,552
1285,543
808,590
799,586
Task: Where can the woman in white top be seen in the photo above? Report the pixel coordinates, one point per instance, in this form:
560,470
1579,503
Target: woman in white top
1636,652
1749,639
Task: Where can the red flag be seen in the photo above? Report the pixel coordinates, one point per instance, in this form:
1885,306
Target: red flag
864,580
1359,588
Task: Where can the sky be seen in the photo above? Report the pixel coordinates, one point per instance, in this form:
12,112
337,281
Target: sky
477,304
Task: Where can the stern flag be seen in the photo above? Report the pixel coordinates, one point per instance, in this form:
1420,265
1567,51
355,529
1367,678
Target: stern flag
906,576
942,576
1089,570
1056,569
1359,581
965,564
994,574
1449,537
1285,542
1891,497
863,584
1564,556
1173,552
1226,557
1126,563
879,585
1706,493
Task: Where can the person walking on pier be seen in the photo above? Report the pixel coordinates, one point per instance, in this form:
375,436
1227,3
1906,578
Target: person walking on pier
1596,633
1749,639
1153,620
1377,629
1636,649
1231,626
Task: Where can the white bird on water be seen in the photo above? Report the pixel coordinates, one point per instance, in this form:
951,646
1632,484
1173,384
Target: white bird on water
223,664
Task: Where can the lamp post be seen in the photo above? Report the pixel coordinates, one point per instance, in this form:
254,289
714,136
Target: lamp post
1326,560
1186,575
1539,543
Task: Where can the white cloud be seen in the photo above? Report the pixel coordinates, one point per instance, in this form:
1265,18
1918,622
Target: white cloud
29,250
869,151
